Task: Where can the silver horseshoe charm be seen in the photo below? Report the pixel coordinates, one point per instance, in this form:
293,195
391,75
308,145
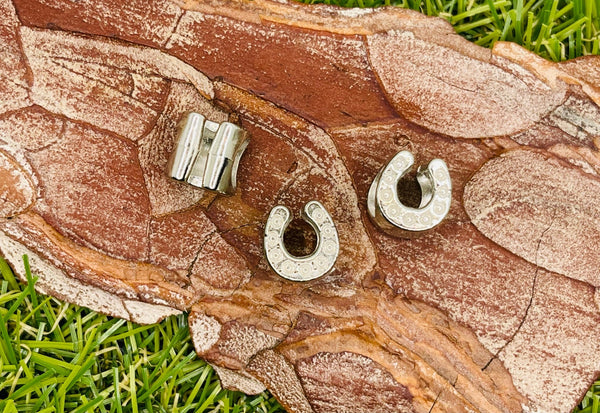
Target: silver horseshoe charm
391,215
312,266
208,153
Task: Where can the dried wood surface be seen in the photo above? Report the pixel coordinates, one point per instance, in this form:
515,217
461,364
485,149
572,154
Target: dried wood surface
496,310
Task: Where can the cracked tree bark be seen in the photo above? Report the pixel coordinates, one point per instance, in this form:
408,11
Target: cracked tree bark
494,311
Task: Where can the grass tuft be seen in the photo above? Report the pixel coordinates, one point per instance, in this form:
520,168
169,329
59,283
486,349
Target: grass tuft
58,357
555,29
591,400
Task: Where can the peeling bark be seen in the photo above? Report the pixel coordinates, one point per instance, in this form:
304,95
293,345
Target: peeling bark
496,310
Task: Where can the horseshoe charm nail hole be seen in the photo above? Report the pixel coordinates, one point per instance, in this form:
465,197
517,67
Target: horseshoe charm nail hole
309,267
395,218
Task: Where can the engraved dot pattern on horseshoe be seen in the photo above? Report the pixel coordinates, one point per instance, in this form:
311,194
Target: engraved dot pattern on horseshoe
315,265
436,189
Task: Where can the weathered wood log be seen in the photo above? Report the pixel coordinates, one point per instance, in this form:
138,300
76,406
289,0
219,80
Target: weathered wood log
496,310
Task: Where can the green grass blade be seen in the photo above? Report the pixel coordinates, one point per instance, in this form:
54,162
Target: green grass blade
8,275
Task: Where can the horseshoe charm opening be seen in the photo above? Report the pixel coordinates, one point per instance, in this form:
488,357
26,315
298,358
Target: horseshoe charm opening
391,215
309,267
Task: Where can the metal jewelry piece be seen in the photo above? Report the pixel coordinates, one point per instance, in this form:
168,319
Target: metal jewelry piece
391,215
208,153
309,267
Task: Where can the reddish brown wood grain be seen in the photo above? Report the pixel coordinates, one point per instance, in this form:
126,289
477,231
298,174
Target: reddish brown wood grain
496,310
